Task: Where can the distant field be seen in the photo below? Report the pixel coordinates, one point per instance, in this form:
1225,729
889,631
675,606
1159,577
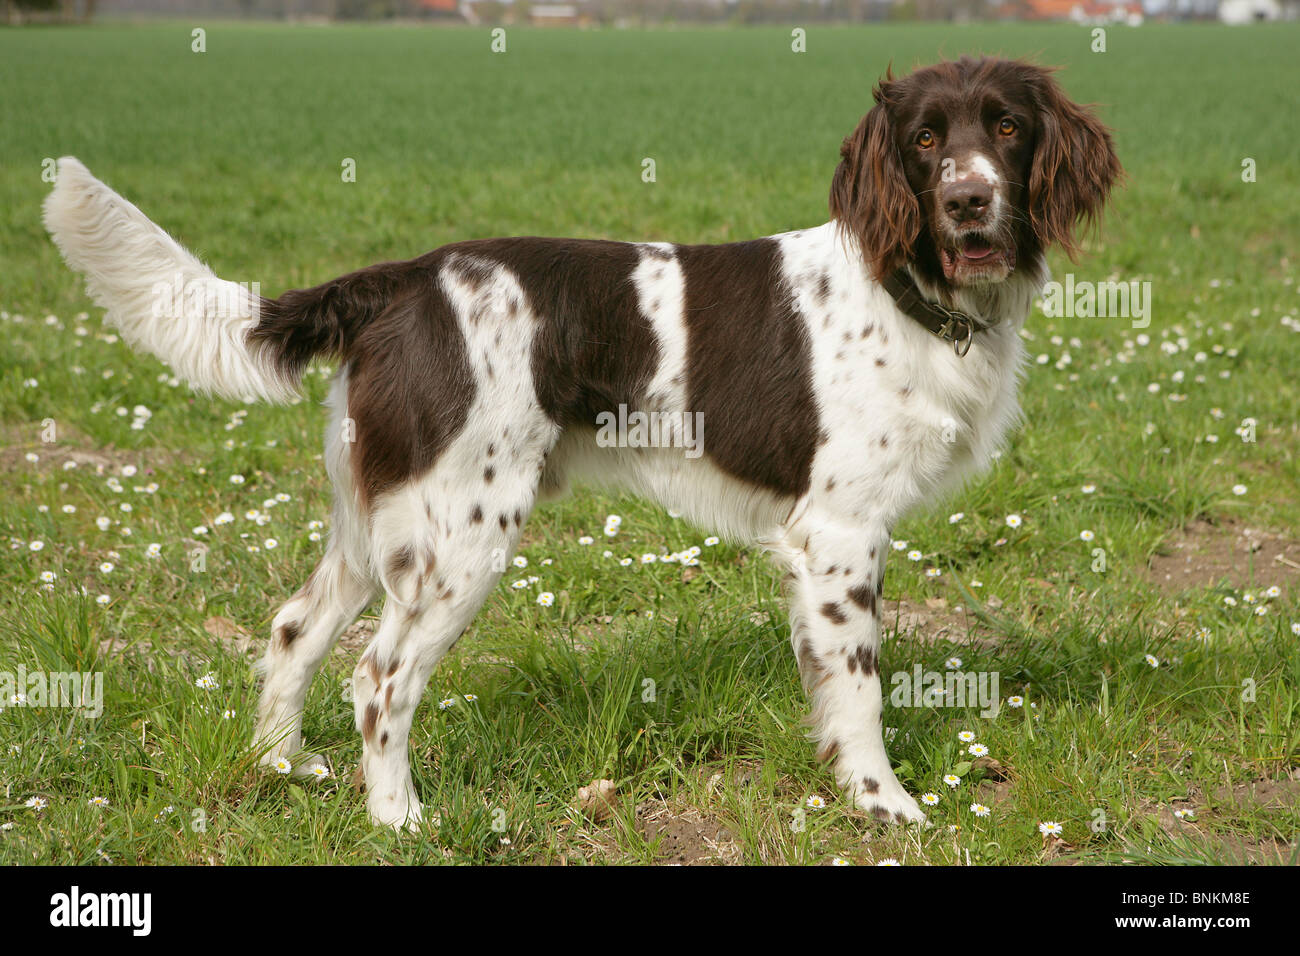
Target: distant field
1133,438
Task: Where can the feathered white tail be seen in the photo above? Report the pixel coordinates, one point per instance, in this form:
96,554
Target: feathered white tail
162,299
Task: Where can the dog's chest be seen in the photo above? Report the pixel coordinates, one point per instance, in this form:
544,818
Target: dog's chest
903,417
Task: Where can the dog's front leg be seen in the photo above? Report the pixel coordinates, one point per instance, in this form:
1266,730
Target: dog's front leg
834,585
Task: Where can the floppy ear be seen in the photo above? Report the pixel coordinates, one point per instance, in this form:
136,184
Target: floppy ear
870,196
1074,166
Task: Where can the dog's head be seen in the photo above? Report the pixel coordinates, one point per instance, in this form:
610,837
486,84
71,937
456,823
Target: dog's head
969,169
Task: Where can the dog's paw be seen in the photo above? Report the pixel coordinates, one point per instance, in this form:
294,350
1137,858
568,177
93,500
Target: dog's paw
398,812
890,803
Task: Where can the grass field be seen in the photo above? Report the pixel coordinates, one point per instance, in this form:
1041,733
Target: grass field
1133,437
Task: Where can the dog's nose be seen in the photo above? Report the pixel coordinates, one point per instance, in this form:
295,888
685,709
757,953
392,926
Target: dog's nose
967,201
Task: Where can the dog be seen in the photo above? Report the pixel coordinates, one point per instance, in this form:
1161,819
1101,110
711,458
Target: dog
844,374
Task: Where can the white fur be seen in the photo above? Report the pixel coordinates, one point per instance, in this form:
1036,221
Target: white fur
136,272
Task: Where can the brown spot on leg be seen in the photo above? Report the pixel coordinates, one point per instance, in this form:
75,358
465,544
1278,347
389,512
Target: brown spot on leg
399,561
368,722
880,813
866,658
870,786
833,612
289,633
828,751
864,597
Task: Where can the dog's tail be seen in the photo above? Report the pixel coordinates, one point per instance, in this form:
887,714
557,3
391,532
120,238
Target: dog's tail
219,336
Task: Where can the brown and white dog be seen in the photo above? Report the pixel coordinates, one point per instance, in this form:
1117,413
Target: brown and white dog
844,374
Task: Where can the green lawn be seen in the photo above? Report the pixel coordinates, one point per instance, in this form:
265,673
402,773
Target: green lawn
237,151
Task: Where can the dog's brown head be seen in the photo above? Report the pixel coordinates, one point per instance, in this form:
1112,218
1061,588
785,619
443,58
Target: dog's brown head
969,169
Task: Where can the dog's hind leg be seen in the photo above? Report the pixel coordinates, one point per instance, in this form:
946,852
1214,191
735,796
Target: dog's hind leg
302,633
834,585
443,554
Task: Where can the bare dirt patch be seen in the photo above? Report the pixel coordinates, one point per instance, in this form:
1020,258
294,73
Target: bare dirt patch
685,837
933,619
1206,554
73,446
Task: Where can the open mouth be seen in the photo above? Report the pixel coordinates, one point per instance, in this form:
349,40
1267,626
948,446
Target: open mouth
974,258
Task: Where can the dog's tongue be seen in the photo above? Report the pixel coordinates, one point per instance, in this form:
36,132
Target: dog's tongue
976,249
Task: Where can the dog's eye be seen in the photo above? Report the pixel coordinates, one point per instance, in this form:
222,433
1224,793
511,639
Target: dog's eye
925,139
1007,127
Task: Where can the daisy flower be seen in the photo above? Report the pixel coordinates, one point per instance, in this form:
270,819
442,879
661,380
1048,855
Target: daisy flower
207,682
1014,521
236,479
966,736
815,802
979,809
36,803
520,561
952,663
914,555
1239,490
1051,828
1086,535
283,766
1016,701
952,780
977,750
546,599
1151,660
889,862
98,801
446,702
320,772
1185,814
710,541
930,799
956,516
835,861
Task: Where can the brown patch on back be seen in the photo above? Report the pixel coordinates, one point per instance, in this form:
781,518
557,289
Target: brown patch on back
593,348
410,384
749,365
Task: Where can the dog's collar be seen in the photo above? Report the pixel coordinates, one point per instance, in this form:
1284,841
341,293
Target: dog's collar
950,325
